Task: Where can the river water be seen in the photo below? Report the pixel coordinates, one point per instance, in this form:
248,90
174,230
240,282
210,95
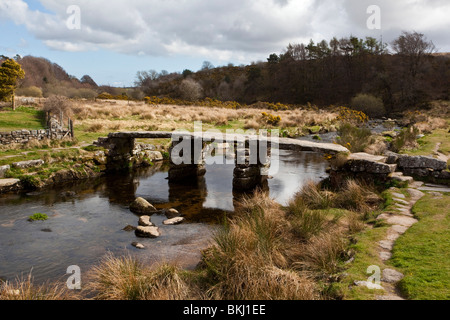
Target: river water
86,218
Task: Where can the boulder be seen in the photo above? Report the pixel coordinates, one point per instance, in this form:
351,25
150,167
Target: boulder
422,162
3,170
8,185
174,221
172,213
129,228
138,245
363,162
142,206
145,221
28,164
147,232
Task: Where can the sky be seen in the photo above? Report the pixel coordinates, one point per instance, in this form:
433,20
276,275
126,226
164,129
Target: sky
112,40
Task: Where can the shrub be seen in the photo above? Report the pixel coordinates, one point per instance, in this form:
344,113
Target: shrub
30,92
271,119
368,104
56,104
354,117
190,90
407,139
353,138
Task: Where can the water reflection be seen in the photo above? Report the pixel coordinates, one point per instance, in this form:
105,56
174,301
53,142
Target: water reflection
86,218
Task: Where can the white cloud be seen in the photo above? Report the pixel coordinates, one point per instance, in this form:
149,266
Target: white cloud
220,30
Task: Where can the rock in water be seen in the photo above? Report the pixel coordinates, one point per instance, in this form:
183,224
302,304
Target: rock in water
145,221
172,213
147,232
174,221
138,245
129,228
142,206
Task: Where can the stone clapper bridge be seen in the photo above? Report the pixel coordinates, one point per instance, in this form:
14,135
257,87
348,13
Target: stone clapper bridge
252,153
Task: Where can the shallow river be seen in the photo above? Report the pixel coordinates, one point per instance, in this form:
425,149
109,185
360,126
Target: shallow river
85,225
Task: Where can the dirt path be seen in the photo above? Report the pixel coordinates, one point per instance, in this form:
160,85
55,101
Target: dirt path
438,154
400,220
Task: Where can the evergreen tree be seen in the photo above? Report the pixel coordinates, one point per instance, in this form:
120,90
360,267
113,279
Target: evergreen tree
10,73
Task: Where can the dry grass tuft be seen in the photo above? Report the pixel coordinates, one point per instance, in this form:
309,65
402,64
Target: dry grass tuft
25,289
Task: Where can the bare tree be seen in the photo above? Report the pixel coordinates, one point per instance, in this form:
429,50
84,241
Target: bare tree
190,89
414,47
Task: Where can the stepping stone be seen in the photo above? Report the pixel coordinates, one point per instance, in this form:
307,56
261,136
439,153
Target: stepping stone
399,229
386,244
389,298
369,285
174,221
391,276
172,213
402,207
147,232
392,235
398,176
142,206
416,184
398,195
385,255
145,221
402,220
415,194
406,203
138,245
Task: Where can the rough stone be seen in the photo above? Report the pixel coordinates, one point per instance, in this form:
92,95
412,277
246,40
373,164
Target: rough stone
405,161
385,255
398,176
173,221
369,285
398,195
138,245
363,162
172,213
129,228
3,170
28,164
145,221
391,276
142,206
147,232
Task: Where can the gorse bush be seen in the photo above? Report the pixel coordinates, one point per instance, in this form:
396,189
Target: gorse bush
354,117
271,119
368,104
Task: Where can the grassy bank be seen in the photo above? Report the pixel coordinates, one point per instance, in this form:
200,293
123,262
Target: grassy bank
423,253
22,118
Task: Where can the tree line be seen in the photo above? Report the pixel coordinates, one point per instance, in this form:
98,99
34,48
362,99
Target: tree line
323,73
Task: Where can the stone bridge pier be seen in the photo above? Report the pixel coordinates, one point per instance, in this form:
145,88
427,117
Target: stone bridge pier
187,159
252,163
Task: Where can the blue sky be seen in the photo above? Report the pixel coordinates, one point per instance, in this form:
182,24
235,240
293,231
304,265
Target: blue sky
118,38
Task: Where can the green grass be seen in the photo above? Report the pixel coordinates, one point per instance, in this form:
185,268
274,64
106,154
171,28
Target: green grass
423,253
22,118
428,143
